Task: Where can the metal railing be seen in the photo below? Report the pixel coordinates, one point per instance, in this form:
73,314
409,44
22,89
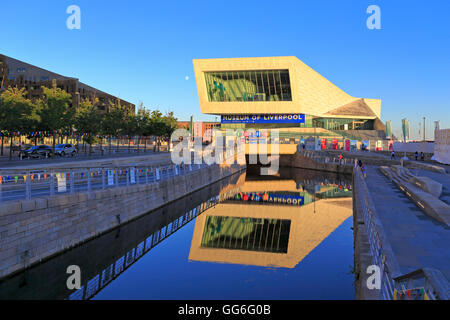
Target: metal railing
428,284
325,159
43,183
25,185
380,249
422,284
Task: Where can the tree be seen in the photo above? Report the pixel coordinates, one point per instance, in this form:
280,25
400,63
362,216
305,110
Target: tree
143,124
88,120
113,122
55,111
130,126
170,125
147,127
158,127
17,114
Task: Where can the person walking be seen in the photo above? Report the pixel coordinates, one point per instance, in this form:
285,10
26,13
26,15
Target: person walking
360,163
416,155
422,156
340,158
393,155
363,171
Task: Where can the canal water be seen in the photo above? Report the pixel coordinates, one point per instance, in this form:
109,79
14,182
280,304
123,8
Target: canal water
286,236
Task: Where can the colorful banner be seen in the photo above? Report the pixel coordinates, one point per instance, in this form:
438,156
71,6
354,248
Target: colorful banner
62,182
132,175
110,178
335,144
365,145
388,129
264,118
411,294
405,129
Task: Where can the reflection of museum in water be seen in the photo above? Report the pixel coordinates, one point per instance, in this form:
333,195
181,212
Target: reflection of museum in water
272,222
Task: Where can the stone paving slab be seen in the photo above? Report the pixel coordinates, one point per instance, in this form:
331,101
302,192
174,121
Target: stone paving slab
414,237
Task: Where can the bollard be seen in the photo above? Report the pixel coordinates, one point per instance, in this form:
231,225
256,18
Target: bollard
72,182
89,187
28,186
52,183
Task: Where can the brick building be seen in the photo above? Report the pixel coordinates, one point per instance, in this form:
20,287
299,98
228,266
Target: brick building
16,73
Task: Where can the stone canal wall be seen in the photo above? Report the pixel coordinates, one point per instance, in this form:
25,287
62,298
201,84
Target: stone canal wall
33,230
300,160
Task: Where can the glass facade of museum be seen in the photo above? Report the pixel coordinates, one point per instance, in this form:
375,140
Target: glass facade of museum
248,86
311,122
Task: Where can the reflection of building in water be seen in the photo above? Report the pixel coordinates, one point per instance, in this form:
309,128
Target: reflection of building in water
268,235
265,235
289,192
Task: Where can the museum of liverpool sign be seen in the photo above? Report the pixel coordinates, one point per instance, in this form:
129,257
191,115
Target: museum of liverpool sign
264,118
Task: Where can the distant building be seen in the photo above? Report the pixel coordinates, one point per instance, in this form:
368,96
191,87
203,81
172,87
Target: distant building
200,129
20,74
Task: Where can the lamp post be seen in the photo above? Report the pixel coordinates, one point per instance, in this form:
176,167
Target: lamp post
424,135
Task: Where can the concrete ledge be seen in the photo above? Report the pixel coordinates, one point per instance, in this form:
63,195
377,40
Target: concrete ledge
429,185
429,204
424,166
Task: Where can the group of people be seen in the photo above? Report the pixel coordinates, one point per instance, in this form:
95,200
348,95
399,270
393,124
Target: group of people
416,154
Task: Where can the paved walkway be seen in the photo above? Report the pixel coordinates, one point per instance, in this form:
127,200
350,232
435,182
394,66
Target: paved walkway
416,239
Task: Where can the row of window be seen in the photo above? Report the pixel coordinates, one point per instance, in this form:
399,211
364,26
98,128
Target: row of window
257,85
311,122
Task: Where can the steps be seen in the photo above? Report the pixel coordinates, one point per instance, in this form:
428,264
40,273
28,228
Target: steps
423,195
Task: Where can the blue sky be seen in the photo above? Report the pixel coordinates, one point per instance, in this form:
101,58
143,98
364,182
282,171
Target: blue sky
143,50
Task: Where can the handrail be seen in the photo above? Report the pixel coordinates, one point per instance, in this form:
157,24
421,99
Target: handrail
423,284
380,248
27,184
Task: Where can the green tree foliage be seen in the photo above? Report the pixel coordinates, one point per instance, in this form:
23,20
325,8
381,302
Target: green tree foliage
17,114
113,122
88,120
55,111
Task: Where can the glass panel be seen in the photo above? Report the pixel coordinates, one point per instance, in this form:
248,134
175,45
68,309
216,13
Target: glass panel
254,85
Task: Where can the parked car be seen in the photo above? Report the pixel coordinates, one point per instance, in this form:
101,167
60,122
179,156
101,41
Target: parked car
65,149
38,152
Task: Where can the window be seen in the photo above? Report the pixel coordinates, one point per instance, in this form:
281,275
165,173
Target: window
247,86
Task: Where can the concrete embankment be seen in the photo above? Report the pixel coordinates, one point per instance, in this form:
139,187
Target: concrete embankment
33,230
